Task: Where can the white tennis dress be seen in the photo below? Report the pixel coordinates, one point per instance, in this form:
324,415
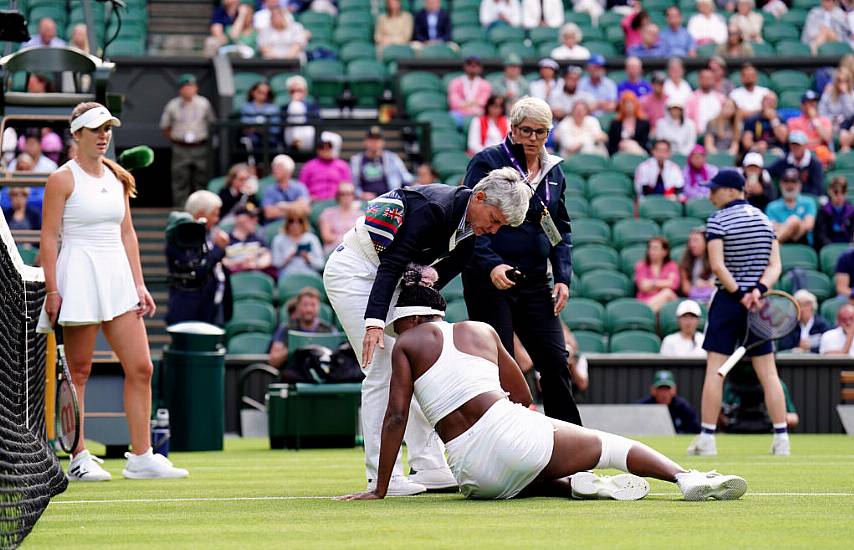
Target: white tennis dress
93,274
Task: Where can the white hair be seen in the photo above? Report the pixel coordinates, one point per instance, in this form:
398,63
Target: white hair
804,295
571,28
202,202
532,108
285,162
504,189
296,79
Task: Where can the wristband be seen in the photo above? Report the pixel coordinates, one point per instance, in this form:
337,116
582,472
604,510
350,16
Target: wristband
762,288
51,292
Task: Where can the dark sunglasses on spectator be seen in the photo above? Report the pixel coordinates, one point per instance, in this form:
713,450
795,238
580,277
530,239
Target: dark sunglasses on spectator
526,131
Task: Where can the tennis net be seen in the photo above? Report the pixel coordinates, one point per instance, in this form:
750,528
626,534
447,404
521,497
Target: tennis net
30,474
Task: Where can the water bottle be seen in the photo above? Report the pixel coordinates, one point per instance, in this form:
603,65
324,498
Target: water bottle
160,432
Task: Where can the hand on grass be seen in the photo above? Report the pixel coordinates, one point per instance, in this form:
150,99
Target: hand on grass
360,496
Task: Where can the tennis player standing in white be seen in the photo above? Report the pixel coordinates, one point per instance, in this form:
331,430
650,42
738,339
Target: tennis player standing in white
94,280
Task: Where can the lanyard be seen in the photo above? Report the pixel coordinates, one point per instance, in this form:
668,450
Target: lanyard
518,167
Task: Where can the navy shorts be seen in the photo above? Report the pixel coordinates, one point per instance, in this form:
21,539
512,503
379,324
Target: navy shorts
726,325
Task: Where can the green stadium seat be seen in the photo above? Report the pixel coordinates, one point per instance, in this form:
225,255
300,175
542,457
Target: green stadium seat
545,49
456,312
721,159
251,285
446,80
439,120
763,49
455,180
465,18
367,81
699,208
448,163
357,50
577,207
659,208
829,307
798,255
706,50
326,80
591,33
635,341
278,82
363,6
251,316
480,49
614,35
816,282
609,183
544,35
522,50
628,232
629,314
595,256
123,47
298,339
829,255
360,18
605,120
585,164
343,35
316,19
590,342
630,256
575,185
438,51
467,33
657,5
625,163
667,322
584,314
612,208
605,285
794,17
446,140
582,19
420,81
426,101
590,231
677,230
792,48
317,208
502,34
272,229
610,19
777,32
291,285
845,161
249,343
602,48
790,80
216,184
453,290
395,52
790,99
835,48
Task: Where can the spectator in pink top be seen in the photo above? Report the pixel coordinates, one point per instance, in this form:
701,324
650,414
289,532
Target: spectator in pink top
468,93
657,276
697,172
323,174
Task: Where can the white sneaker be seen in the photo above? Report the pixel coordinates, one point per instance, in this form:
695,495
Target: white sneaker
440,478
400,486
704,485
781,447
587,485
703,445
151,466
86,467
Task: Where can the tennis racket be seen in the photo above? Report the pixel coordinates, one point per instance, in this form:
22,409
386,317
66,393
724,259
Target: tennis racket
67,415
776,316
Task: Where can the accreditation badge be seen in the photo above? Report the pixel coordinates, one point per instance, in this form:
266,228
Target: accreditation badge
550,228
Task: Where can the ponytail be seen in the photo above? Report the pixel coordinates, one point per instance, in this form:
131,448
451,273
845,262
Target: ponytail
125,177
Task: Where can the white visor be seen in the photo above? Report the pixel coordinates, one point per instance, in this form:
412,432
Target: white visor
410,311
94,118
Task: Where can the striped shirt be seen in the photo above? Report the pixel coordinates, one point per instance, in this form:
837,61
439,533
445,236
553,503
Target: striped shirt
747,235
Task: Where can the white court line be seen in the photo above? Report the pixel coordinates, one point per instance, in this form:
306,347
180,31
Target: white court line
237,499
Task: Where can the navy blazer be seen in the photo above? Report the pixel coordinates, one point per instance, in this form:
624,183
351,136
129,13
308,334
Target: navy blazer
793,339
443,27
432,213
526,247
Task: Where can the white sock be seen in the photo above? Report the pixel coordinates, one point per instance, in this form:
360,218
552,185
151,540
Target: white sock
708,431
781,431
147,454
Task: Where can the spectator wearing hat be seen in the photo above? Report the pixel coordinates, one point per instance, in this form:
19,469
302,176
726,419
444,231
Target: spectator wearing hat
467,94
748,96
579,132
835,220
764,132
825,23
806,337
837,341
494,13
287,196
654,104
375,170
800,158
304,316
793,215
758,186
675,38
817,129
705,102
688,342
432,24
490,128
323,174
629,131
602,88
663,392
184,122
676,87
650,44
247,250
570,48
707,27
697,172
511,85
562,98
658,175
634,81
676,128
543,86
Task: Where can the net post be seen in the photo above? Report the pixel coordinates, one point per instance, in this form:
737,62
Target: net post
50,387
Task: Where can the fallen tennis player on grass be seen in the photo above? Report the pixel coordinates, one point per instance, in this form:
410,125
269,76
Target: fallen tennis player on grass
462,377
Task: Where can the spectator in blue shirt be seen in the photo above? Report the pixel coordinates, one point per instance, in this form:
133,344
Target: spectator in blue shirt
602,88
260,109
793,215
650,45
288,197
675,39
46,38
432,24
230,22
634,81
843,275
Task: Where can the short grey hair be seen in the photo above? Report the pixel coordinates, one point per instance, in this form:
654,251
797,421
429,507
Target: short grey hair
296,79
202,202
804,295
571,28
504,189
532,108
286,163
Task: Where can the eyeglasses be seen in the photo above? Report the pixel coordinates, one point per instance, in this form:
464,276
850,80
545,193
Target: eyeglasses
526,131
346,194
293,221
17,194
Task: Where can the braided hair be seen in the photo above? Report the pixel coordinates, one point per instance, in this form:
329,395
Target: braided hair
417,288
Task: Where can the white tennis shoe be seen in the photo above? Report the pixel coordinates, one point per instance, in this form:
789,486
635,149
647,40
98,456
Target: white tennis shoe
400,486
86,467
705,485
587,485
151,466
438,479
781,447
703,445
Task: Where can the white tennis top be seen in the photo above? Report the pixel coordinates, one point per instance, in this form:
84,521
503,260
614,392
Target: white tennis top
93,273
453,379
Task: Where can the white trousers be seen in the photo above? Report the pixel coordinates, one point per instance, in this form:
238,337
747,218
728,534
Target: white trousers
348,279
